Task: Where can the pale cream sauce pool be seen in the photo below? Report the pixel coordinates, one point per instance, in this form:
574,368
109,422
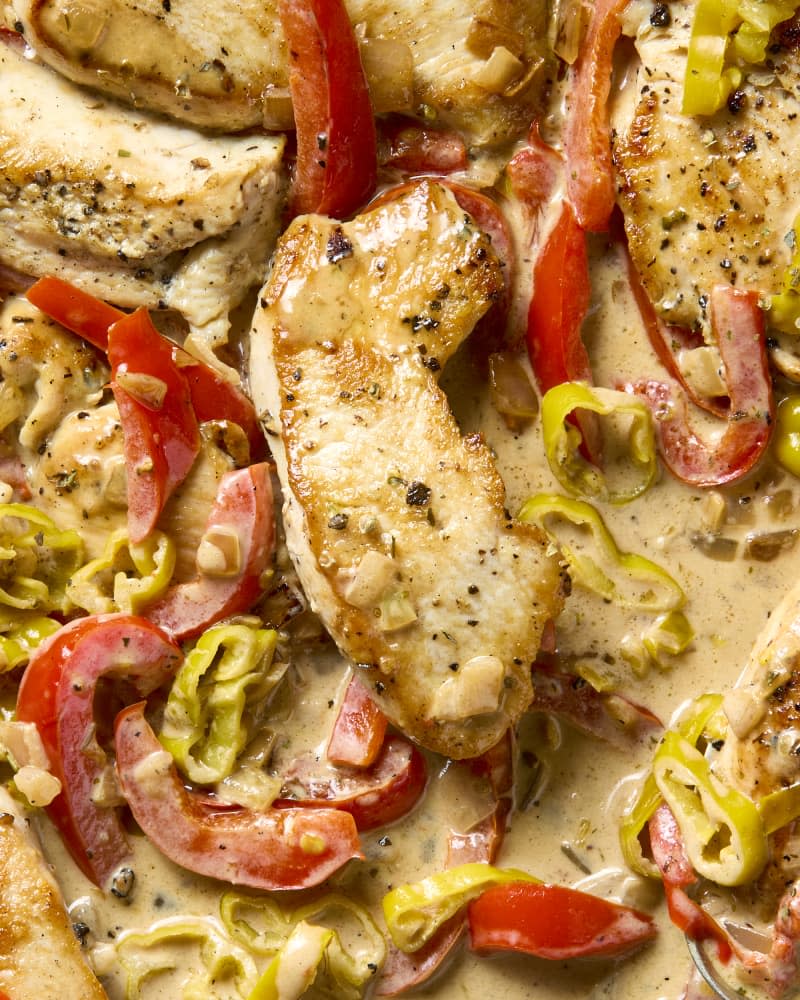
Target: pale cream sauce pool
586,784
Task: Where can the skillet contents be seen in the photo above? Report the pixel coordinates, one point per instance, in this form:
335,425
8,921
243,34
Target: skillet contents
398,499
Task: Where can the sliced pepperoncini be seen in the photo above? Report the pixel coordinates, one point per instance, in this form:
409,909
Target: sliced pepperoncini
205,725
562,441
655,589
126,577
36,559
703,721
722,829
413,912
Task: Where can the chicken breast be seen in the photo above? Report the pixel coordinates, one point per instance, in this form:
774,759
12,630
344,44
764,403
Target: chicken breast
477,66
132,209
761,749
39,953
705,199
395,521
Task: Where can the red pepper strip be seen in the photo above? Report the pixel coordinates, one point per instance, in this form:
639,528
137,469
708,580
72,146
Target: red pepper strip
587,140
557,308
57,693
554,922
213,397
676,870
272,849
374,797
243,510
578,703
160,440
74,309
739,327
667,340
336,142
359,730
534,172
402,971
409,146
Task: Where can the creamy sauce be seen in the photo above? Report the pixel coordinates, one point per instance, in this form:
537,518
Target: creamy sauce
568,806
571,812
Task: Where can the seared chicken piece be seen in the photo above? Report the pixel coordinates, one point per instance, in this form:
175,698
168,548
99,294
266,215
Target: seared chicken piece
705,199
763,709
39,953
134,210
477,65
395,522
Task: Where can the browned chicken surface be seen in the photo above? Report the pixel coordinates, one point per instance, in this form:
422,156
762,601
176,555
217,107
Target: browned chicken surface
396,522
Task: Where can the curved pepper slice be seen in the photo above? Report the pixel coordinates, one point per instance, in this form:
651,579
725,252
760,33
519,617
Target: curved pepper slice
414,912
655,589
699,722
587,136
58,692
336,141
272,849
738,324
724,836
555,922
153,561
161,437
31,539
204,726
563,441
220,958
240,536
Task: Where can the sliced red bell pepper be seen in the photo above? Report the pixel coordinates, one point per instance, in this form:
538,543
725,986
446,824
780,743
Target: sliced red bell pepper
409,146
75,309
534,172
359,729
243,519
402,970
667,339
554,922
273,849
336,166
670,856
373,796
213,397
57,693
575,700
738,324
160,439
587,136
558,305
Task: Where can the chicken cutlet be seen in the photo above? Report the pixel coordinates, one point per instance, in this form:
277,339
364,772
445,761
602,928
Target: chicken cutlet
133,209
706,199
394,520
477,66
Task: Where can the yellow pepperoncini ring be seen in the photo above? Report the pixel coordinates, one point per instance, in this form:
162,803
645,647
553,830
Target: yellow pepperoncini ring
20,634
127,576
721,827
703,721
669,635
205,725
724,31
36,559
351,955
656,590
144,954
292,971
562,441
415,911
